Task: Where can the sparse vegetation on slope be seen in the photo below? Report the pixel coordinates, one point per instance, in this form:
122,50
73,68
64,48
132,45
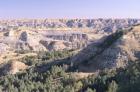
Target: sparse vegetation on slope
57,79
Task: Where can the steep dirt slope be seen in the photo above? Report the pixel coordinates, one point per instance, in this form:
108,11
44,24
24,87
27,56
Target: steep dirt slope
114,51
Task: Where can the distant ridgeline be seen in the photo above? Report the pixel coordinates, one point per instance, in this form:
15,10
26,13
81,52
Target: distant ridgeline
107,25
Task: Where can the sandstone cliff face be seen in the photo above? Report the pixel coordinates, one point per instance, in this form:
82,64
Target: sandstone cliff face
60,40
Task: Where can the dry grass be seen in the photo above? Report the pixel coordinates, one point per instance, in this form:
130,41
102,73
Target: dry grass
10,56
81,75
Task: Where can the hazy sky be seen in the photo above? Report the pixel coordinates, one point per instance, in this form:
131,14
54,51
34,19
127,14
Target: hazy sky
69,8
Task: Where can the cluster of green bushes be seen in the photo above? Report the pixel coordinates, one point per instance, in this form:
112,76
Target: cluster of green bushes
53,80
56,79
46,57
55,55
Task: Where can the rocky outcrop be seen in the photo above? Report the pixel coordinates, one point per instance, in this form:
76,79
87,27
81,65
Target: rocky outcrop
56,45
65,40
3,48
45,40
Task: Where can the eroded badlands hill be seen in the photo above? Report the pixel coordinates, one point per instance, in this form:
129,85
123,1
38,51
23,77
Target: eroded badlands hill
28,40
98,46
111,53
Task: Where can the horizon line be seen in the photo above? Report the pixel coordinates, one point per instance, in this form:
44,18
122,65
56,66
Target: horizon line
42,18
